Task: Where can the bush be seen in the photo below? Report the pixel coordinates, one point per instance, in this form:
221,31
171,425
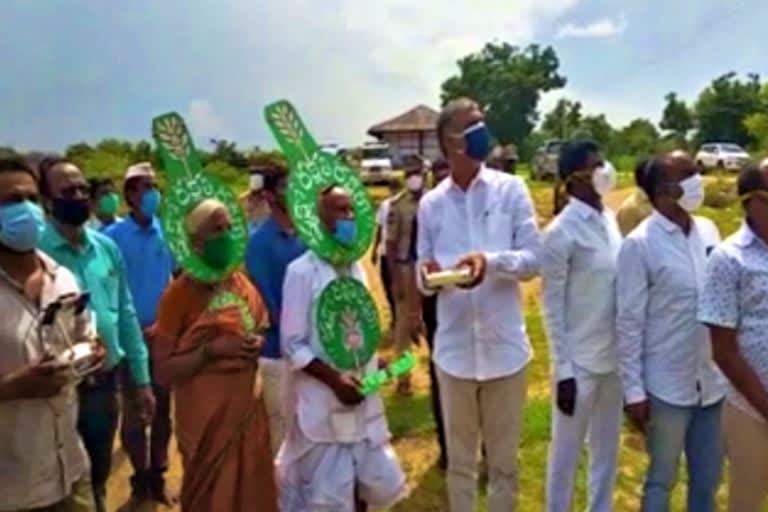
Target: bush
720,193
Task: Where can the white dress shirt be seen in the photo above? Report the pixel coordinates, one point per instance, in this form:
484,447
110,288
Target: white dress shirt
41,454
663,349
321,417
735,296
579,252
481,332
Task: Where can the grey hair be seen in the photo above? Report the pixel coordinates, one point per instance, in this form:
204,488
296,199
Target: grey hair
449,111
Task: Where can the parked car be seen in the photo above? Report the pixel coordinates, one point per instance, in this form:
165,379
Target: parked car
376,163
721,155
545,162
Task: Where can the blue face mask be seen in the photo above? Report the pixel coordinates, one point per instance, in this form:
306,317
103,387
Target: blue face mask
150,200
345,232
20,225
478,141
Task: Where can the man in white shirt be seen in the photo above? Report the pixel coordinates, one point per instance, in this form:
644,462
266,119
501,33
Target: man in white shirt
673,391
336,455
43,465
734,303
578,267
482,220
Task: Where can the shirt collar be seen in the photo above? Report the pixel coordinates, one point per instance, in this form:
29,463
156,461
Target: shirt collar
153,226
583,210
58,241
484,175
666,224
745,236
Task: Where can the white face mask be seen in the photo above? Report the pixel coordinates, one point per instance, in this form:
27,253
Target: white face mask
604,179
693,193
415,182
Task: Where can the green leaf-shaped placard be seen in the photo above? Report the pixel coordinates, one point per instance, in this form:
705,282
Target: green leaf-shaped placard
188,184
347,323
311,171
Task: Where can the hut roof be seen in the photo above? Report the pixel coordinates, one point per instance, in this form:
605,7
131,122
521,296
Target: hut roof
419,119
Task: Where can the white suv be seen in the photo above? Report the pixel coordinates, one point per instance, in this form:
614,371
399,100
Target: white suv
721,155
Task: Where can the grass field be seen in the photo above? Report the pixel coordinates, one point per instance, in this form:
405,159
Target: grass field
412,426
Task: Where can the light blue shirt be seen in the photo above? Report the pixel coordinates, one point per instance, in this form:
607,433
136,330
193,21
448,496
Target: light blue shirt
99,269
735,296
148,263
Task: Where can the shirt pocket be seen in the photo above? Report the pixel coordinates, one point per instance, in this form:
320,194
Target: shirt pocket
498,227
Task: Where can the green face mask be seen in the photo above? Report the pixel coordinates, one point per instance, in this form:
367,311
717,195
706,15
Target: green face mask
217,251
108,204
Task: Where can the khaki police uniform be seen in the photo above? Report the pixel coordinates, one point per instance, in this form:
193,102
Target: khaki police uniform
401,232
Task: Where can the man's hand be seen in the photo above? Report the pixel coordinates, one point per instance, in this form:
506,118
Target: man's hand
639,414
347,390
430,267
566,396
41,380
476,263
145,403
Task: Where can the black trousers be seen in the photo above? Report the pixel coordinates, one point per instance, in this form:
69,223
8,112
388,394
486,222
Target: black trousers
429,315
97,424
386,280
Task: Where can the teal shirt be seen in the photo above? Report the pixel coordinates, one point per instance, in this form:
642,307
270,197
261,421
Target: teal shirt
100,270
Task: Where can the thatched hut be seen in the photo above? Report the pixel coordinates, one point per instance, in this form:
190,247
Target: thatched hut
411,133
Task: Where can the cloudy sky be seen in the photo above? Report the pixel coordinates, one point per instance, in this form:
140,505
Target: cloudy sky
81,70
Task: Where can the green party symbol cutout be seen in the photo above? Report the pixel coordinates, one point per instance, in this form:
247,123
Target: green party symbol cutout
371,383
312,170
347,323
188,184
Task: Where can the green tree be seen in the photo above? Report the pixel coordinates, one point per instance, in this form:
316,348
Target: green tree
676,118
226,151
563,119
597,128
78,153
723,106
756,123
507,81
639,137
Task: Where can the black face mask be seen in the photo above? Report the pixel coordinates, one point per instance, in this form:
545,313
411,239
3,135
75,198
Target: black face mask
73,212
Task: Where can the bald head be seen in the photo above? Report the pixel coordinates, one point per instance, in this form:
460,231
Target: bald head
333,204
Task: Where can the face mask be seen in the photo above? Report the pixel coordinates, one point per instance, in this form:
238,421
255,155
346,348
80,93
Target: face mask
345,232
478,142
150,200
693,193
20,226
73,212
604,179
415,182
108,204
217,251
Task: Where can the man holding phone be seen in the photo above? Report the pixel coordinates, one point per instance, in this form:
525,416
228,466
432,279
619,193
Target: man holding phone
38,397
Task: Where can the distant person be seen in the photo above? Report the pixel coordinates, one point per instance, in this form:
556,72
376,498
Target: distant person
503,158
579,253
206,350
254,204
440,171
271,248
636,207
104,203
483,221
44,464
379,250
337,454
495,159
98,266
734,304
672,389
401,258
149,268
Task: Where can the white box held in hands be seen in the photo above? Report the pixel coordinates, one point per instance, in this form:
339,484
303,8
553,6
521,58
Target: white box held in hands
452,277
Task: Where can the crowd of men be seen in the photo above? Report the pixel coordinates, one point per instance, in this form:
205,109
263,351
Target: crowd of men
648,312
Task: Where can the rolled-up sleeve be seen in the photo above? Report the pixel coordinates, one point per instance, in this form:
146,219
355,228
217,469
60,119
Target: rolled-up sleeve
521,262
129,330
424,246
719,298
632,300
555,257
295,327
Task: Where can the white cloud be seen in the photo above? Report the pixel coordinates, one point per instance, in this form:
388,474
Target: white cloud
203,120
604,27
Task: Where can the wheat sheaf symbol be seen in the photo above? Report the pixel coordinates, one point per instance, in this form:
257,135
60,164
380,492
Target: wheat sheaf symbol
172,134
288,124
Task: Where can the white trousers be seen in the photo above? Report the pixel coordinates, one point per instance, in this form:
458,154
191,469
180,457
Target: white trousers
272,382
598,413
493,409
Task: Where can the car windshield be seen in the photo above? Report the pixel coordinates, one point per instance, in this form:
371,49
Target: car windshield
731,148
375,153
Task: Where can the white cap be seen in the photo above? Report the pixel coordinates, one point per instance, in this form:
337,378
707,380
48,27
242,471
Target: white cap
257,181
140,170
